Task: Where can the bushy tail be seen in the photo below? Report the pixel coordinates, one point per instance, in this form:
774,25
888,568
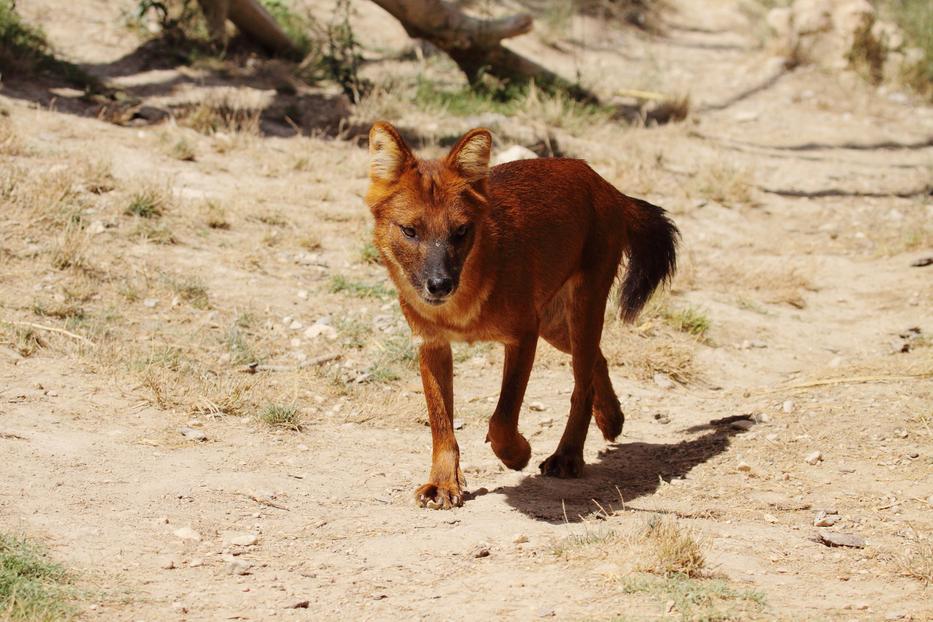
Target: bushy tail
652,255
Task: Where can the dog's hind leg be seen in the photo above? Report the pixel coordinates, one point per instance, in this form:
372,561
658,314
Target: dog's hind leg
606,408
585,321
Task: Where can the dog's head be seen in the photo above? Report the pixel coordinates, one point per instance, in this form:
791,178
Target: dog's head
427,212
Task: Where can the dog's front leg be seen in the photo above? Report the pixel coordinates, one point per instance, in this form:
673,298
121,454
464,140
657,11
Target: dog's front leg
445,488
507,442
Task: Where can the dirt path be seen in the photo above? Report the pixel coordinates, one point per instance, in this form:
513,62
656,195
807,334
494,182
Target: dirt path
796,248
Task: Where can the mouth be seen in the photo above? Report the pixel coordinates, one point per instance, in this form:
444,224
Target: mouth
435,301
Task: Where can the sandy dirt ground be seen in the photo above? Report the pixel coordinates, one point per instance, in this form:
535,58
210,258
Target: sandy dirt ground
803,199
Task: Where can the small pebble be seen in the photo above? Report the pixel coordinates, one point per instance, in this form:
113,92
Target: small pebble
150,302
661,418
520,539
788,406
814,457
825,520
663,381
238,566
192,434
537,407
458,424
743,466
480,551
167,563
187,533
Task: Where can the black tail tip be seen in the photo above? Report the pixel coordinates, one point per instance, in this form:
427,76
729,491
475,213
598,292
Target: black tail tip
652,258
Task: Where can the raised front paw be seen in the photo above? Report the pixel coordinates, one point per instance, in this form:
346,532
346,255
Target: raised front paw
515,452
564,465
439,496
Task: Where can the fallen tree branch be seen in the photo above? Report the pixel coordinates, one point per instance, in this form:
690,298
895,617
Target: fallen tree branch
476,44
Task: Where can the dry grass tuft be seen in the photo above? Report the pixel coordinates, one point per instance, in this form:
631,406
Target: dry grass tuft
671,549
24,340
724,183
917,561
285,417
70,249
150,200
10,142
215,215
225,110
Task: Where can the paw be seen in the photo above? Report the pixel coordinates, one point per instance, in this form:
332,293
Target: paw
514,453
609,421
439,496
562,465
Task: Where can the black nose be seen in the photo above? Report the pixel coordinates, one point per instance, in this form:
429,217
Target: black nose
440,285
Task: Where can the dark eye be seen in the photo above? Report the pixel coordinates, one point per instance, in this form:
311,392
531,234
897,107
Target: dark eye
408,231
461,232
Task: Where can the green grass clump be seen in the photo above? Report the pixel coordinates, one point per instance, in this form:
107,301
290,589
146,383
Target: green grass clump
277,416
149,202
709,600
32,588
689,320
340,284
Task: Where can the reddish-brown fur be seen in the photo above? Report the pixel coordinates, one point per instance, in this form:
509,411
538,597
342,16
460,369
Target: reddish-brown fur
529,248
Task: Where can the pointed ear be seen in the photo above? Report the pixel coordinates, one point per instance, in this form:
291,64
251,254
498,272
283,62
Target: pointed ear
388,153
470,156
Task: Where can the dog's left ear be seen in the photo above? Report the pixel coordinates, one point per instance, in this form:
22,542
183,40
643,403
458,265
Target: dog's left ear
470,156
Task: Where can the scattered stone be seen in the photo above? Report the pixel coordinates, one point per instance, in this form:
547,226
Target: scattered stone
303,294
661,418
458,424
197,562
520,539
241,539
167,563
825,520
913,455
743,466
771,518
663,381
238,566
814,457
788,406
546,612
895,615
480,551
97,227
742,424
321,330
901,433
537,407
150,302
193,435
301,604
835,362
831,538
772,438
922,262
187,533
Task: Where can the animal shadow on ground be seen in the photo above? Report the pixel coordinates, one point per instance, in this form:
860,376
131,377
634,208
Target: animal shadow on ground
624,472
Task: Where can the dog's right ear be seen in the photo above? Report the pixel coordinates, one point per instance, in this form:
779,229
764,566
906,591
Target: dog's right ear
389,156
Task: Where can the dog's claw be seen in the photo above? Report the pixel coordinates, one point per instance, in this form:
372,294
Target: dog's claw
562,465
439,496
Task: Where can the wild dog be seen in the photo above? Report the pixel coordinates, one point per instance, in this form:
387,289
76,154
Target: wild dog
522,250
